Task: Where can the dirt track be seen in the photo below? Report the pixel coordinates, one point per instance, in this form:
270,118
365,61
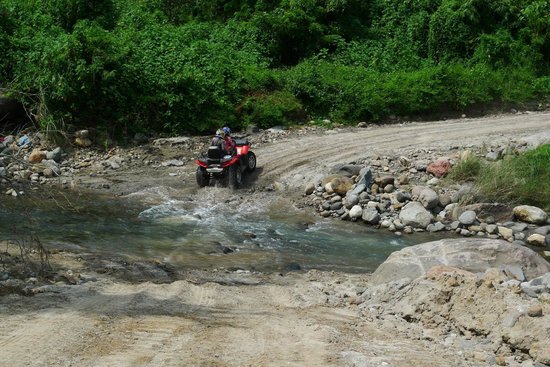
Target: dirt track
307,156
240,319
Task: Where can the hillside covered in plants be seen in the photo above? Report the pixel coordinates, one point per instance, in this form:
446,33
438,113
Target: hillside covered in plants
177,66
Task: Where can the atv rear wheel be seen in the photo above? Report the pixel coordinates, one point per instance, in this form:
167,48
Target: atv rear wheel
234,177
202,177
250,161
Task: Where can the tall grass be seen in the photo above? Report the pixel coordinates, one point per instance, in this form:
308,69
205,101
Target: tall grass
521,179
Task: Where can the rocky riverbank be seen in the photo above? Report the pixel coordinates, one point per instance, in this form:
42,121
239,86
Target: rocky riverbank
409,193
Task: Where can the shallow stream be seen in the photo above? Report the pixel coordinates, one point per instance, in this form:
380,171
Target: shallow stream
211,228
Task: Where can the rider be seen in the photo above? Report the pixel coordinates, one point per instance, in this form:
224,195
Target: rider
229,143
218,139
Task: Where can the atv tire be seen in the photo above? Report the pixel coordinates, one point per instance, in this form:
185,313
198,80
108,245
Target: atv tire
234,177
202,177
250,161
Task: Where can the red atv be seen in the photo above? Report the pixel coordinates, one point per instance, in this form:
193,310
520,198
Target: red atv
217,166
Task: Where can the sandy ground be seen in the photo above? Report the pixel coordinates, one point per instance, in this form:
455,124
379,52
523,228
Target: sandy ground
240,318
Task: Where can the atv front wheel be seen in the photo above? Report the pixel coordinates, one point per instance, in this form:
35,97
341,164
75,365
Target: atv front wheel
202,177
250,161
234,177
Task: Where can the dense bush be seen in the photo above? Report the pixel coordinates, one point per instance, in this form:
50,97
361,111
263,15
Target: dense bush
175,66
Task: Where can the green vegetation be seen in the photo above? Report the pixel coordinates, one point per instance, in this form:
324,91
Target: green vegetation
171,66
524,178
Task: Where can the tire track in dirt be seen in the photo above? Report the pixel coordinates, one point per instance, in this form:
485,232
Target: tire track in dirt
307,156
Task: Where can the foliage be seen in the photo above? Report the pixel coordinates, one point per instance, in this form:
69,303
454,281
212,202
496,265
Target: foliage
521,179
267,110
466,169
175,65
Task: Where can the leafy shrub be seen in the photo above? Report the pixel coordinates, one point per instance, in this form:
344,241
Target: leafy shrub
268,110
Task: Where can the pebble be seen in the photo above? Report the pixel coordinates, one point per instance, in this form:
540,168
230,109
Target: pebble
535,311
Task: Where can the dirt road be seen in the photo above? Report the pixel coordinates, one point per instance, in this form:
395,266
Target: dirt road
239,318
296,161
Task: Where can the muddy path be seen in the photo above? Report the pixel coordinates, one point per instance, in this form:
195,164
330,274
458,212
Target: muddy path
241,318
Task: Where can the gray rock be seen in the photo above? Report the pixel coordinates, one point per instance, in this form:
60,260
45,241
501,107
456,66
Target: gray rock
428,198
455,225
537,285
513,271
172,163
445,199
359,188
402,197
414,214
493,156
421,166
530,214
542,230
365,177
310,188
462,192
491,228
356,212
371,216
54,155
467,218
347,170
472,254
351,200
435,227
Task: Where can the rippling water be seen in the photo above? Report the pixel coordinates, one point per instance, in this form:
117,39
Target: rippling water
265,232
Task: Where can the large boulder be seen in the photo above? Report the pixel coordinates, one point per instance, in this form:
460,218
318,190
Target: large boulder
414,214
471,254
530,214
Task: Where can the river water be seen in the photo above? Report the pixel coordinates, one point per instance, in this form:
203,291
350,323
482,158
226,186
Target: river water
211,228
